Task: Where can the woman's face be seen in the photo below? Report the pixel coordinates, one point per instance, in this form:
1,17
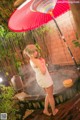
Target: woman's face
36,54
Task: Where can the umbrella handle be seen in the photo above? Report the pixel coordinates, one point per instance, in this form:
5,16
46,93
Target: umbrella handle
62,36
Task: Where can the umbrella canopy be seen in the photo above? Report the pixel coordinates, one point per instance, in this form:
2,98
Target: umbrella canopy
43,6
23,19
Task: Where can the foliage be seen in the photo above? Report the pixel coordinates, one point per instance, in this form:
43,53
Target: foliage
38,47
10,44
76,42
6,9
7,105
2,31
42,30
40,36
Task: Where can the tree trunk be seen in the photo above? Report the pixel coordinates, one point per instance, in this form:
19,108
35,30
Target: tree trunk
75,8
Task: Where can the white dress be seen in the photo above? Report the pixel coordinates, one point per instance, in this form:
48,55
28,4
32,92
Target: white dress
43,80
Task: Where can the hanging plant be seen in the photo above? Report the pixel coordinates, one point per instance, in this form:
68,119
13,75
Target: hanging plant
76,42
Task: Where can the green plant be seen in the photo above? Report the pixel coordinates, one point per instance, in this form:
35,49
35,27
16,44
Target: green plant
11,47
40,37
2,31
7,104
76,42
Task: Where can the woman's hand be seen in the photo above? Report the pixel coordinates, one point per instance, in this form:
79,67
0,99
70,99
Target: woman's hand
42,61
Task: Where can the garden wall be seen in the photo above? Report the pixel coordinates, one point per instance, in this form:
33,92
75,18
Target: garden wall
58,53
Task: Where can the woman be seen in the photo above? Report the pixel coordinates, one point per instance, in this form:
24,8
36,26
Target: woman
42,76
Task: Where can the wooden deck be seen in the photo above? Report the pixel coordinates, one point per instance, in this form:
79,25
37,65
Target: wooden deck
68,105
69,110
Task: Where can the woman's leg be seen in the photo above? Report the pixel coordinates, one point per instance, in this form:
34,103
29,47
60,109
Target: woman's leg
51,100
46,106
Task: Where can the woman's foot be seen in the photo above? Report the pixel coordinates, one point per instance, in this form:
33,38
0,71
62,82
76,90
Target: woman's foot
46,113
55,111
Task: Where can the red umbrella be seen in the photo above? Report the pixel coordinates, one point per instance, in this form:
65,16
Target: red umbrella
24,19
34,13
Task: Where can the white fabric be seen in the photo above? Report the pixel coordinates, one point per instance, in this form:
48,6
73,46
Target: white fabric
44,80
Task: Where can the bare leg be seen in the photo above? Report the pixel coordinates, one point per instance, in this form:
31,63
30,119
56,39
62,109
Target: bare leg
49,91
46,106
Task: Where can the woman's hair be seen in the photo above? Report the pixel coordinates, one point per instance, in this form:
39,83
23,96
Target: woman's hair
29,50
